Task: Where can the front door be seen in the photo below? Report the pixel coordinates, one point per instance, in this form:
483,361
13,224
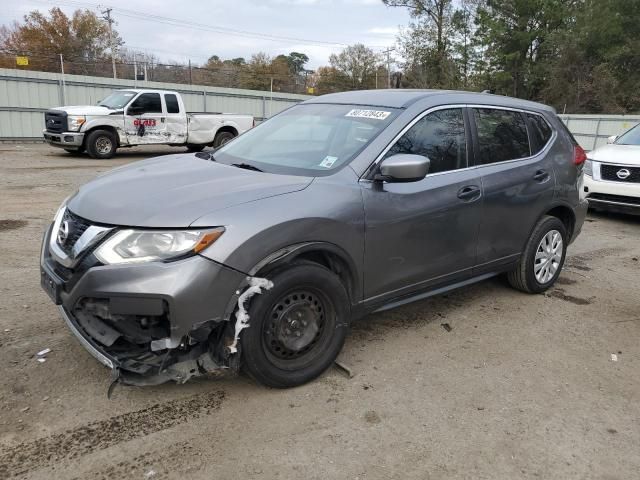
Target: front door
144,121
422,234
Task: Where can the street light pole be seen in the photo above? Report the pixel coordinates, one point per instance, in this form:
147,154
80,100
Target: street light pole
109,20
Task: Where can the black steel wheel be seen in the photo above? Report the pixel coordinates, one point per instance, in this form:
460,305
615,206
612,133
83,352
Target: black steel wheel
297,328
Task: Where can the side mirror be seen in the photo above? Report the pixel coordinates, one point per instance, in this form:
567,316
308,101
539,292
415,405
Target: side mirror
403,168
612,139
135,110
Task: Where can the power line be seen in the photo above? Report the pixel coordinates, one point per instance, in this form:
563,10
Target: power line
145,16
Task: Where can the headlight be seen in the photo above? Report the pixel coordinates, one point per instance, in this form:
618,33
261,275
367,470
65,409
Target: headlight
588,167
135,246
75,122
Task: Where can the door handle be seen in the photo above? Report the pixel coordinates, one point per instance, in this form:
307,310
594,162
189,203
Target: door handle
469,193
541,176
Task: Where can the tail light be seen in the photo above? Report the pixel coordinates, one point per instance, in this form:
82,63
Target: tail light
579,155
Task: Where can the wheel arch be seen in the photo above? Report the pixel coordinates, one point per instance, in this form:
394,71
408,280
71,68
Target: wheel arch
108,128
329,255
228,128
566,215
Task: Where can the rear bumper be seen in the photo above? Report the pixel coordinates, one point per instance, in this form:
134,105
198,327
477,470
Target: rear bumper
69,140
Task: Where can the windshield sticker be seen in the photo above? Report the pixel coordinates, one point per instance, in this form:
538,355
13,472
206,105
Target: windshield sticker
375,114
328,162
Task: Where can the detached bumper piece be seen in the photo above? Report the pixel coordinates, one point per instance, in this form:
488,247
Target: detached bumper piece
123,342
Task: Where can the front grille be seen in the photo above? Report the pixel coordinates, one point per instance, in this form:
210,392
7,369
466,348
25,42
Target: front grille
614,198
55,121
77,226
610,172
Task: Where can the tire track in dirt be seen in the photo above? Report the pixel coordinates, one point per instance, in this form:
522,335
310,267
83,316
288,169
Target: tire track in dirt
28,456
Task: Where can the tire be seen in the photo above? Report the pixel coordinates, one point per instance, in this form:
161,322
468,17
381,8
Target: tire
195,148
529,278
101,144
297,328
222,138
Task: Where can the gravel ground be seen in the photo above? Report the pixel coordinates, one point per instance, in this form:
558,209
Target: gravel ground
521,387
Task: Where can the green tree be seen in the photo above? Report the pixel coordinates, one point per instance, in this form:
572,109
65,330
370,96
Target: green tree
356,65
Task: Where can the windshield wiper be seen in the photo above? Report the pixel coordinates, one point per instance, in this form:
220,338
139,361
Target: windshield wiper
246,166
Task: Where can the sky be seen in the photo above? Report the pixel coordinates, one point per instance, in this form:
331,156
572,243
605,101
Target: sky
314,27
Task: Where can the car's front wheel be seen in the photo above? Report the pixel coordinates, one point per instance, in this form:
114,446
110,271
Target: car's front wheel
542,260
101,144
297,328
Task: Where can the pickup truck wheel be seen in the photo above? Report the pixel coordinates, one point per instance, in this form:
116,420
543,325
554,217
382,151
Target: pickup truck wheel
543,257
297,328
195,148
222,138
101,144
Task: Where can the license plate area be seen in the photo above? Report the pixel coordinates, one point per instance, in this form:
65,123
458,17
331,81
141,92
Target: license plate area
51,286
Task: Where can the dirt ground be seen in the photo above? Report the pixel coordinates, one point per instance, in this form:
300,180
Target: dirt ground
521,386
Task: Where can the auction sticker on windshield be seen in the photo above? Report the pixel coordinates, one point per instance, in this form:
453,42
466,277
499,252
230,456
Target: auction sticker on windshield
375,114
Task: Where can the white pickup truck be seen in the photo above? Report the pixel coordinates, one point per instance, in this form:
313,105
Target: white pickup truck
138,117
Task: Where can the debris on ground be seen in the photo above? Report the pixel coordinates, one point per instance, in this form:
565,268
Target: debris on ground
343,369
614,357
446,326
42,353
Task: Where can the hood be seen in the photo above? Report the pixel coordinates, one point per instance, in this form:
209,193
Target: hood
174,190
86,110
614,153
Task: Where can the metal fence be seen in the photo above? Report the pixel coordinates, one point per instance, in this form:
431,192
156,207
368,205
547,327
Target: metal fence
592,131
26,95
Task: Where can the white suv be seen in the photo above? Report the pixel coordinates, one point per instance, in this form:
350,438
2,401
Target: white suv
612,174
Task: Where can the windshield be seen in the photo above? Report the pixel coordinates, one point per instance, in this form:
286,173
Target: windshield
310,139
632,137
117,100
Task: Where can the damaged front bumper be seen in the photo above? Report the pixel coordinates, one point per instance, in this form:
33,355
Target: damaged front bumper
150,323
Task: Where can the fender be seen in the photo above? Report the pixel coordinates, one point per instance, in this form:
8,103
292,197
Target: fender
288,253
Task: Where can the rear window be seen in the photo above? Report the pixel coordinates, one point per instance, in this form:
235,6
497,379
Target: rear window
539,132
172,103
502,135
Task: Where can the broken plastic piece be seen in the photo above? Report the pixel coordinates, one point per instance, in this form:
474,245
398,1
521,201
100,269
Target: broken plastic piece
446,326
343,369
42,360
42,353
242,316
614,357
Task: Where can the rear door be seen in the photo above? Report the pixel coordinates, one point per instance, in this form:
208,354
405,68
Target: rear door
144,121
176,119
517,177
422,234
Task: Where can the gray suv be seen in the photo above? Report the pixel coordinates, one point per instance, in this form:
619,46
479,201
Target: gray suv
258,255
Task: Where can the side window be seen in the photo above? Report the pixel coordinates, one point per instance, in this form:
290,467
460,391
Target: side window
172,103
502,135
150,102
539,132
440,136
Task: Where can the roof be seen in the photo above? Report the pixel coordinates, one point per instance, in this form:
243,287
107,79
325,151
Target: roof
400,98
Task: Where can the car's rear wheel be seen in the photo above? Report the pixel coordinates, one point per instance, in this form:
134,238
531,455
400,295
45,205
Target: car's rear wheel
222,138
297,328
101,144
543,258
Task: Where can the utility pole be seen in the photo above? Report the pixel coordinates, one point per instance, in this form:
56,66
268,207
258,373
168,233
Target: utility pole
388,52
190,73
64,85
109,20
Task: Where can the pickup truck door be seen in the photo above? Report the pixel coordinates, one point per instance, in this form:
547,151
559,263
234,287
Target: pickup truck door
176,119
145,121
